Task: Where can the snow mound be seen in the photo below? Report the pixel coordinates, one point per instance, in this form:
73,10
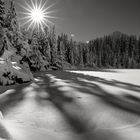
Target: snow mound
11,73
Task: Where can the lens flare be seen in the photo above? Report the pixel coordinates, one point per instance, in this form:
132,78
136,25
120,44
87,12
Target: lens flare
36,14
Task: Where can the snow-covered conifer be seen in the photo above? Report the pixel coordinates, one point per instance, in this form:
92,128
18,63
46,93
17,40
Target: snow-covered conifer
2,12
55,60
47,48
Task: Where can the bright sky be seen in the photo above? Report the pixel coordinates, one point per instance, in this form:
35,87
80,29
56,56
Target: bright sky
88,19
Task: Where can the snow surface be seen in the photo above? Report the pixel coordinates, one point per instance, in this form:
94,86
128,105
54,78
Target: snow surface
115,82
11,73
61,105
124,75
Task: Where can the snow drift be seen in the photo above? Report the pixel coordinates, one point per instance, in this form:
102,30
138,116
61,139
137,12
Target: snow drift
11,73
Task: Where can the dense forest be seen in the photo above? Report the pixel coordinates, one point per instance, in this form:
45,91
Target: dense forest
44,50
116,50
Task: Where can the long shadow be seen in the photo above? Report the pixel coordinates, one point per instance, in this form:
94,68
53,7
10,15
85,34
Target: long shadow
72,111
7,102
4,134
12,99
66,105
115,83
124,101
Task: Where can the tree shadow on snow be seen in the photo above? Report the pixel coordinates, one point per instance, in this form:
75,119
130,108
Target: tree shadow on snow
76,116
73,113
89,85
12,98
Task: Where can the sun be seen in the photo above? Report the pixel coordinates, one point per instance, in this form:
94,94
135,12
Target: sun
36,14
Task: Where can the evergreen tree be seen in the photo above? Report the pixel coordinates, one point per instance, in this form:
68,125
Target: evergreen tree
46,47
11,18
62,47
14,27
71,55
33,56
1,41
81,54
2,13
86,54
55,59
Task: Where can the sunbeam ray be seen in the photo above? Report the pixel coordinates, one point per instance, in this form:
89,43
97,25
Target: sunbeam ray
40,4
28,5
37,14
28,21
51,17
46,9
45,3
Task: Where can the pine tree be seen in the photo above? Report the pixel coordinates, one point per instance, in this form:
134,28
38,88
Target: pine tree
139,53
86,54
62,47
81,54
46,47
4,40
33,56
55,59
2,13
15,35
1,41
13,17
71,55
52,43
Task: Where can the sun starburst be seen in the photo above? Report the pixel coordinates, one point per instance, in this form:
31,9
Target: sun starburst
36,14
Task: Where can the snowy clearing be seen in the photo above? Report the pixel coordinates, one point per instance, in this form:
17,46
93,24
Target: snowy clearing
62,105
123,75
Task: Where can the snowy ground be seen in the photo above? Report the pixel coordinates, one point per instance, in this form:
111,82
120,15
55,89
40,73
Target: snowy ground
76,105
11,73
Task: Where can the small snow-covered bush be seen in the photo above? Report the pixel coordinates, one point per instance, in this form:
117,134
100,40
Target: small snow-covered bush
11,73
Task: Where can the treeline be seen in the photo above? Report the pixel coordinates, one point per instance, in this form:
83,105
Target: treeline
116,50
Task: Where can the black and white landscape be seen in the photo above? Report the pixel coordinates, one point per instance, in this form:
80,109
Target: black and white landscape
55,87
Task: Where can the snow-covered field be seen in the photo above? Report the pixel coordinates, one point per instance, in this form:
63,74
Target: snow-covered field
123,75
73,105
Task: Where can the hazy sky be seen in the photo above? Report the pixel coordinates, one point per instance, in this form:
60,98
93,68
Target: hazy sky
88,19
